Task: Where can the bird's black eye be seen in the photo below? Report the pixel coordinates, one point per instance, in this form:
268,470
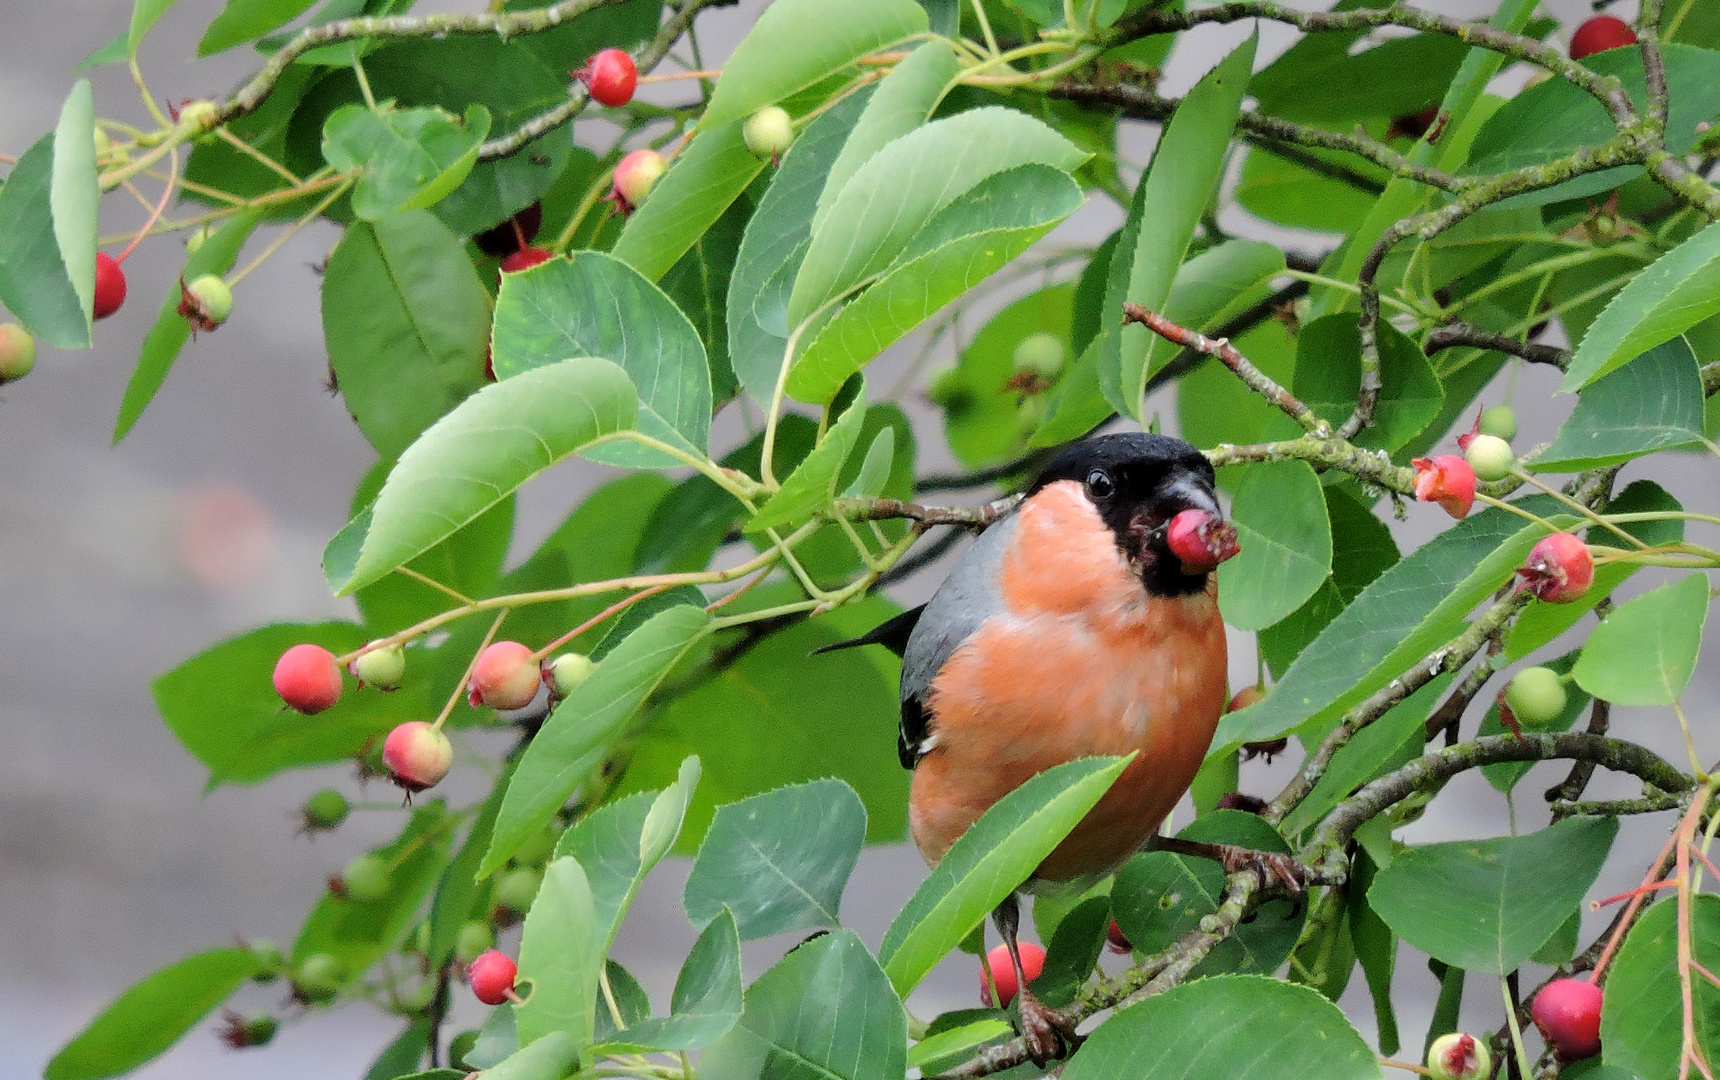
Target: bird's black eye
1099,485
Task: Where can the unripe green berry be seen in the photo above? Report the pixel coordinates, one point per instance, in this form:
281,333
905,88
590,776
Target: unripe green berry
474,940
537,850
1499,422
260,1029
567,671
17,352
382,668
199,116
768,132
214,300
366,878
104,145
518,888
269,961
459,1046
325,810
1536,697
319,978
1490,456
1039,354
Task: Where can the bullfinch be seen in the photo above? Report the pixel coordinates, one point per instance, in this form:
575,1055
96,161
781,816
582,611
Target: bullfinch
1083,622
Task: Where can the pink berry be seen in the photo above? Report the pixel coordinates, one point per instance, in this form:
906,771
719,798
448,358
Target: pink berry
1003,972
1447,480
635,176
110,285
505,677
525,259
307,678
418,755
1559,569
1114,938
1568,1012
492,977
1201,539
1599,34
609,78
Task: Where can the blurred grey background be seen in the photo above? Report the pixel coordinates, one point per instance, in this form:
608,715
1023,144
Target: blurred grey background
118,563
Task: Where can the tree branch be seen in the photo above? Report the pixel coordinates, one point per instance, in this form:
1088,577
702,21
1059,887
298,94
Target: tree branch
1453,335
1226,354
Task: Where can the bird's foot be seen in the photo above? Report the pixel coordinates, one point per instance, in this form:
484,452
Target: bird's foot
1048,1034
1272,867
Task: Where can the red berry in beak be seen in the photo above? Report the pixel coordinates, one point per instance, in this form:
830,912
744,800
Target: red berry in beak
609,78
505,677
1201,539
1559,569
1114,939
1599,34
492,977
525,259
1447,480
1003,972
307,678
110,285
1568,1012
417,755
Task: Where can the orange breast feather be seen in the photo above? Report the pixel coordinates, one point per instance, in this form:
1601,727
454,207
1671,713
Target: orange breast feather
1084,662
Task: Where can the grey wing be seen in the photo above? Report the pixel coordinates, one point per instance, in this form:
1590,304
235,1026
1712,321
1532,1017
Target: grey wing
962,603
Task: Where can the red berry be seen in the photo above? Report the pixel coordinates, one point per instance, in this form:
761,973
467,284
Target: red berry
505,677
525,259
417,755
1201,539
110,285
635,176
609,77
307,678
1447,480
492,977
512,234
1599,34
1113,938
1559,569
1568,1012
1248,695
1003,973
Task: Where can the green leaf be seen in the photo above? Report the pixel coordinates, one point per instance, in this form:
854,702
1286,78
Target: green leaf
903,187
168,335
1675,292
903,101
411,158
360,933
575,738
781,859
989,862
699,285
1187,164
117,51
151,1016
35,282
1642,1010
707,1000
775,717
561,952
620,843
795,43
631,1002
1286,192
593,304
1280,518
222,706
1336,79
994,221
144,14
1644,652
550,1057
774,244
1376,949
458,891
985,422
477,455
1654,403
703,179
811,486
405,321
73,197
824,1012
1329,370
498,1039
403,1056
1234,1027
946,1049
1487,905
1403,614
246,20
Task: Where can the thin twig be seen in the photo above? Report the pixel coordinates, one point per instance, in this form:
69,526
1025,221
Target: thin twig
1455,334
1226,354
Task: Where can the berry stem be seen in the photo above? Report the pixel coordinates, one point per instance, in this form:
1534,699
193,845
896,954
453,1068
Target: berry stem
1629,915
155,214
433,583
1516,1031
681,75
1584,511
275,245
613,609
261,158
460,687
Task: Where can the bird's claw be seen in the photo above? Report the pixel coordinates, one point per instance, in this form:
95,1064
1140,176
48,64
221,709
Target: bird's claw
1048,1033
1271,867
